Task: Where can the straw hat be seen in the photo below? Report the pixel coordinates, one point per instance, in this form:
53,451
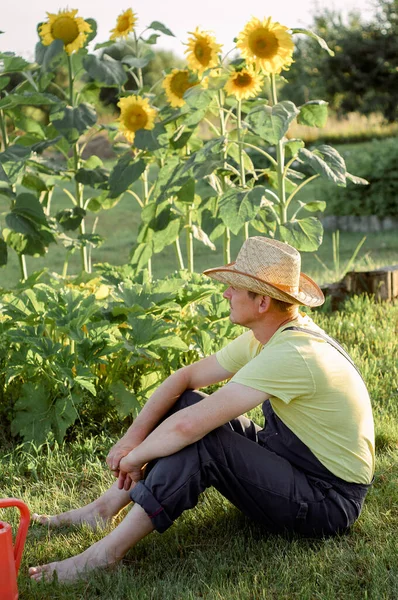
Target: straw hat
271,268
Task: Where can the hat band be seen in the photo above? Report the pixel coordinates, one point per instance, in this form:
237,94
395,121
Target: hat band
290,289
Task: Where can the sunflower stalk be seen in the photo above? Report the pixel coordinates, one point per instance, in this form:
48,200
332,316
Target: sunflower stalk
241,157
280,158
21,257
224,133
189,238
79,188
145,189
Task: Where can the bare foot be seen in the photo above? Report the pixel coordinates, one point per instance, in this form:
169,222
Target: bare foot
73,568
93,515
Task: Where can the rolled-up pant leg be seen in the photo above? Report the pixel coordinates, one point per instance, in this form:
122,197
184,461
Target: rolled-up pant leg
263,485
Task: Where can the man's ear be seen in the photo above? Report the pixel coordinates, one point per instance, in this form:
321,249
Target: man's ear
265,303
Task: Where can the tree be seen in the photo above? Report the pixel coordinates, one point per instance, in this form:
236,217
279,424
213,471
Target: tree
362,76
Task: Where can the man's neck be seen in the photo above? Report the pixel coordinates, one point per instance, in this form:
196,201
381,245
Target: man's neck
264,331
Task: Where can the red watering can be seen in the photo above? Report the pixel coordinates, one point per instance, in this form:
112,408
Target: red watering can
10,556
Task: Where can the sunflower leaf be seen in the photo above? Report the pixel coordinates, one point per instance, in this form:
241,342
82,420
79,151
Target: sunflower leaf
316,37
74,121
313,113
238,206
49,56
327,162
12,63
152,39
271,124
124,173
156,26
106,70
70,218
304,234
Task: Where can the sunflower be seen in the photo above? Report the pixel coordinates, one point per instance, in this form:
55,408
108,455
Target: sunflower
135,114
267,44
124,25
67,27
202,51
176,84
244,84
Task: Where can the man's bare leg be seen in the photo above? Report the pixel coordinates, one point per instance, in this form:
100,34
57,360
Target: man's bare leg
104,553
97,513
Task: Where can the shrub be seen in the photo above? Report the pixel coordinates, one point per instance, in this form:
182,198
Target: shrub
377,162
70,358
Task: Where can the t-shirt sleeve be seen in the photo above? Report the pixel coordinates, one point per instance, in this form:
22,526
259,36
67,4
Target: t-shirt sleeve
280,371
239,352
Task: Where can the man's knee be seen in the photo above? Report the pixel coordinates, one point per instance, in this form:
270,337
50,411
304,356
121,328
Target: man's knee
188,398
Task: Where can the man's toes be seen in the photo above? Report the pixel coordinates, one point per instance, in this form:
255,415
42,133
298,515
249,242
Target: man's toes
41,519
40,572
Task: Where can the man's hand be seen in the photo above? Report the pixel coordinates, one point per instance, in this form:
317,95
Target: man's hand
116,453
129,474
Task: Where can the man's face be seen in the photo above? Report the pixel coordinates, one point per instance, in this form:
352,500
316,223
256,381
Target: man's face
244,310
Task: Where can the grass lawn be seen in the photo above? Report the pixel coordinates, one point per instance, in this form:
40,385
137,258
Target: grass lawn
213,552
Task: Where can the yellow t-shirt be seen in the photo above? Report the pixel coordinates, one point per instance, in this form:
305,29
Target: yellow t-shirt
314,390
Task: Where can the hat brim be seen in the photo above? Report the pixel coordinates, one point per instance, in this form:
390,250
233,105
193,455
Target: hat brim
309,293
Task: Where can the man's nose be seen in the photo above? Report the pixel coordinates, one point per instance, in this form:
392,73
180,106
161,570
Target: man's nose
227,293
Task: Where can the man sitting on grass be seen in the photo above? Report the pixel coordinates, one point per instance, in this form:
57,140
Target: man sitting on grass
308,470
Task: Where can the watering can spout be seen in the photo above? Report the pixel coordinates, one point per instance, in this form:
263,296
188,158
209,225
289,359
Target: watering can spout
10,555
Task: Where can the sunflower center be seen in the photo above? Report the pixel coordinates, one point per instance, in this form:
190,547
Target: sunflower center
123,23
136,118
242,80
202,52
65,29
180,84
263,43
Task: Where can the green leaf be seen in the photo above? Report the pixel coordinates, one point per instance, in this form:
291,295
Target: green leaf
4,81
187,192
313,114
90,36
152,39
304,234
70,218
316,37
138,62
65,414
170,179
152,139
105,70
28,99
356,180
12,63
207,159
233,151
142,253
49,56
75,121
156,26
126,171
292,146
327,162
92,177
86,383
33,413
271,124
126,403
238,206
316,206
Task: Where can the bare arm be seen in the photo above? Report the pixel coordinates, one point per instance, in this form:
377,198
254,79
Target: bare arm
189,425
200,374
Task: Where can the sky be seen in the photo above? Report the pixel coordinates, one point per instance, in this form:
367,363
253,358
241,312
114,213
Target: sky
226,18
